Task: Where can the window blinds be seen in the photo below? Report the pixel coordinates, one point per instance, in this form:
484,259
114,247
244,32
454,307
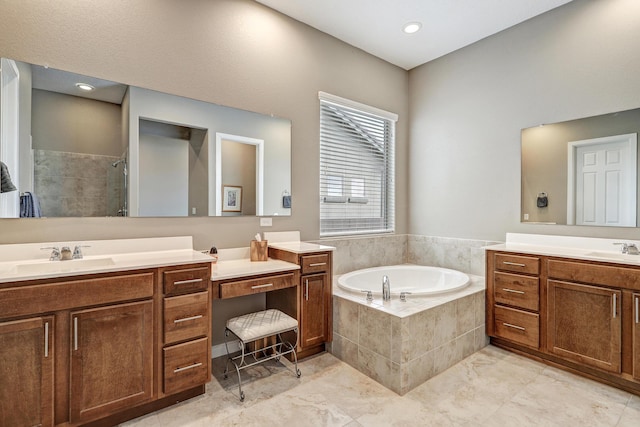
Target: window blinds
356,168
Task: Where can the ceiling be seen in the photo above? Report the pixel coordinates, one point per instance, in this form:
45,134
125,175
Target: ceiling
375,26
64,82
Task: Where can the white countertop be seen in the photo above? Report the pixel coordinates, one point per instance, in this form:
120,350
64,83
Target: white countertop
14,271
236,268
586,248
301,247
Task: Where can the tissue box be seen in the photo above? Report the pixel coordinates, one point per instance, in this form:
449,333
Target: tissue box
259,250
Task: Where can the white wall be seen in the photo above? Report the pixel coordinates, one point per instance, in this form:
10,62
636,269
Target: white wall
230,52
163,176
467,110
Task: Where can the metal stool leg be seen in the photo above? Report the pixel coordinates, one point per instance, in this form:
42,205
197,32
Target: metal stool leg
230,359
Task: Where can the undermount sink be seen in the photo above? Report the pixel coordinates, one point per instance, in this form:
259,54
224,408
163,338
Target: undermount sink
614,255
63,266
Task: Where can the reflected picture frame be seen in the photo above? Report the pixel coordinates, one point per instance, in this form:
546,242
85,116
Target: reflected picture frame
232,198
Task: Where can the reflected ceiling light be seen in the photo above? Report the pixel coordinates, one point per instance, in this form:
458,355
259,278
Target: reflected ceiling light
412,27
85,86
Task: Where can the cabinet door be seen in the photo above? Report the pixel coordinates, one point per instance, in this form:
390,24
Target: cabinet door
26,372
584,324
636,336
111,359
314,328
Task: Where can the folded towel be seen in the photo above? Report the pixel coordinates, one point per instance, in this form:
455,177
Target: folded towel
5,179
29,206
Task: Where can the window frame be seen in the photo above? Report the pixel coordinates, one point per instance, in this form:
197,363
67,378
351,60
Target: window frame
384,199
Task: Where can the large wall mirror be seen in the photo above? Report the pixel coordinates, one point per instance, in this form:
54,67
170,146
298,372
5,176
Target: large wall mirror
582,172
120,150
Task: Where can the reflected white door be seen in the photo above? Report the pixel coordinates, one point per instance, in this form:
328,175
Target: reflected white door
605,181
9,144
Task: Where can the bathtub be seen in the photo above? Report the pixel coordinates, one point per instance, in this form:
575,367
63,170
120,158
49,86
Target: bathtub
415,279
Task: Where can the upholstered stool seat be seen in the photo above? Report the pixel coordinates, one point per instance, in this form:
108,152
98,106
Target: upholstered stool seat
256,326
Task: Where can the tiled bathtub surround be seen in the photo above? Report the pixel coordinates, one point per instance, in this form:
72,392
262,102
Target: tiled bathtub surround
363,252
402,344
459,254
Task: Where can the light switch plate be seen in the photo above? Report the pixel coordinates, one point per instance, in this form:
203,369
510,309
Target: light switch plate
266,222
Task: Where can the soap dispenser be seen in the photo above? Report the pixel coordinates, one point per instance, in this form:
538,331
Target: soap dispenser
213,253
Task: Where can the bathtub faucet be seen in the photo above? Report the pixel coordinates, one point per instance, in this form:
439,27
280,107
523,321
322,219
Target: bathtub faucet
386,288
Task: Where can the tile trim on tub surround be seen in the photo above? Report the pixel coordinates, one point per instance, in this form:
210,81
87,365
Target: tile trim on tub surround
356,253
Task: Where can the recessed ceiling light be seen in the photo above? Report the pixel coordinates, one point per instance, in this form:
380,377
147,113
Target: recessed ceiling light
412,27
85,86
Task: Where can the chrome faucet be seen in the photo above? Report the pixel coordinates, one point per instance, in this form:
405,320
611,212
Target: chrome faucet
629,248
386,288
77,251
55,253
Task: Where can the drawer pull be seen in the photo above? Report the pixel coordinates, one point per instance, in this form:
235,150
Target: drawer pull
185,368
516,264
317,264
513,291
46,338
186,319
509,325
186,282
266,285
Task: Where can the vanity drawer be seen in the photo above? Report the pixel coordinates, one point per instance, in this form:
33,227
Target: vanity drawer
50,297
255,286
517,326
597,274
517,263
187,280
186,365
314,263
517,290
186,317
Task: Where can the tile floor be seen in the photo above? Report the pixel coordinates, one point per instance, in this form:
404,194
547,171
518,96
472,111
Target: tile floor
489,388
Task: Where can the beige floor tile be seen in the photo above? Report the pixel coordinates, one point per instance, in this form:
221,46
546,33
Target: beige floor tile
492,388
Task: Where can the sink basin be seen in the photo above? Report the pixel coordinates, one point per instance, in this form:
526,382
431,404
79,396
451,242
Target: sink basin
63,266
614,255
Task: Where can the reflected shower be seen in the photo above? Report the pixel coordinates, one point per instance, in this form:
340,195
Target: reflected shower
124,210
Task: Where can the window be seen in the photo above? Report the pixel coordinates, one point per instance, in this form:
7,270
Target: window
356,168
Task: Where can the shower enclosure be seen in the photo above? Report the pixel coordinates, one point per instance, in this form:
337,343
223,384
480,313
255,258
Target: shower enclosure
120,188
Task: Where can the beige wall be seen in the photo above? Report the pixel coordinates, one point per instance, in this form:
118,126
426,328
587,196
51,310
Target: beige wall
231,52
467,110
75,125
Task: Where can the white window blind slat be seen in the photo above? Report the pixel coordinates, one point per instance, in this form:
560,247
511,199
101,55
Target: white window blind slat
356,168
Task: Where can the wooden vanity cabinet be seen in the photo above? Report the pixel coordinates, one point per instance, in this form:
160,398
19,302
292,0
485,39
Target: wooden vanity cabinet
635,337
589,313
315,296
27,364
584,324
84,349
513,299
186,350
111,359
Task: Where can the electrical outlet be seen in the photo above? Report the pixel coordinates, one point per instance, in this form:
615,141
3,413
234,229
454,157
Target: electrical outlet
193,211
266,222
526,217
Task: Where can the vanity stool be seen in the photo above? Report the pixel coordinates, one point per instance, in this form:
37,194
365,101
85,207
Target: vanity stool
255,326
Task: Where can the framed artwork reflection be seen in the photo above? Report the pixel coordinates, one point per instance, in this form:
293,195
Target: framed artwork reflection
232,198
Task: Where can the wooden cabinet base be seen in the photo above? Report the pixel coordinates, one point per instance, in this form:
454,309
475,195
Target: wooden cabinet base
139,411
